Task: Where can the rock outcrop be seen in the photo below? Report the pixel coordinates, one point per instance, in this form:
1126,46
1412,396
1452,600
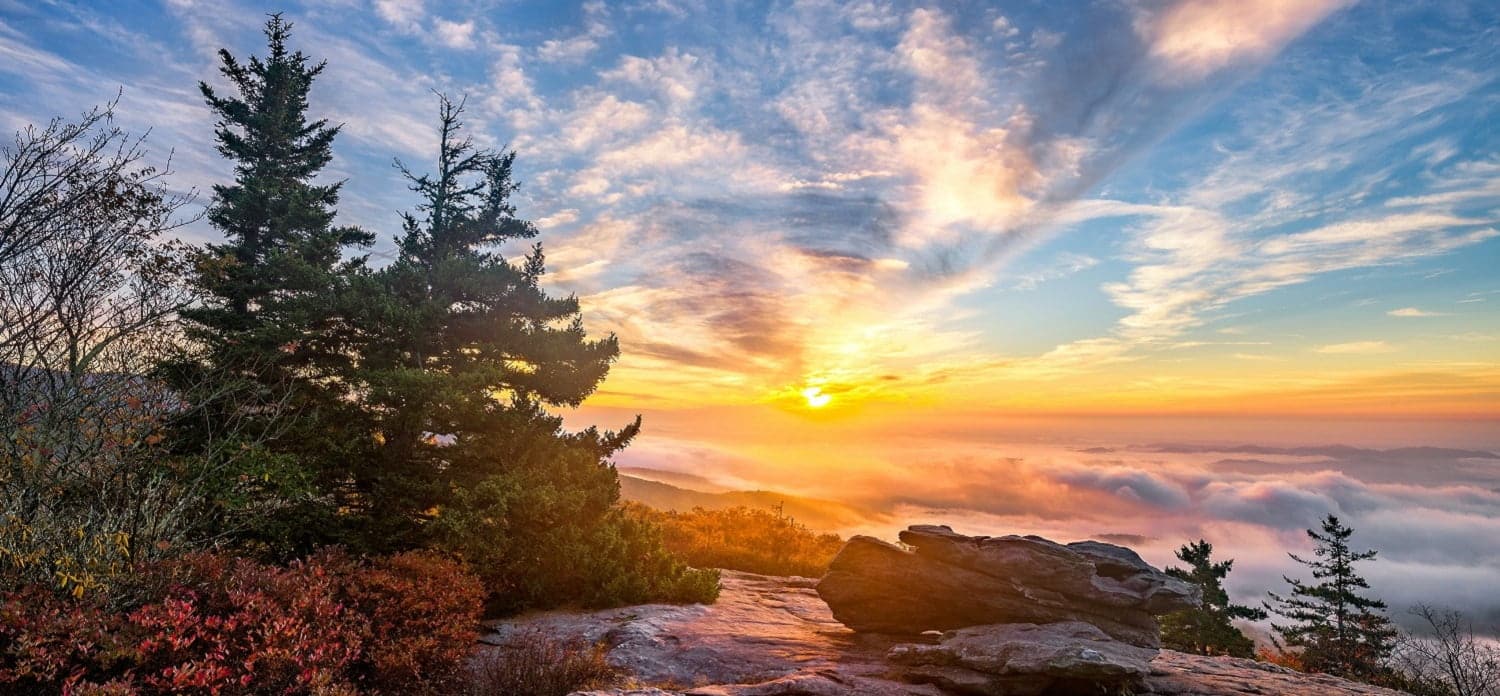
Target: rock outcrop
951,581
769,636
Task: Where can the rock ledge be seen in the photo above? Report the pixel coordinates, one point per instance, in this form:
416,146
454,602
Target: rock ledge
773,636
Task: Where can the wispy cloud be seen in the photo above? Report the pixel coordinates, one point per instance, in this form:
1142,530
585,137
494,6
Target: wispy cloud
576,48
1194,38
1411,312
1355,348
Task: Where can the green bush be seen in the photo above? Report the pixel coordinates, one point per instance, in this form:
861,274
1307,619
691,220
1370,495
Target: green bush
549,536
745,539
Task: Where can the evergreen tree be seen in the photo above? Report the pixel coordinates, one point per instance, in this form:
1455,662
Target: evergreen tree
267,328
1207,630
459,347
267,288
1338,630
460,353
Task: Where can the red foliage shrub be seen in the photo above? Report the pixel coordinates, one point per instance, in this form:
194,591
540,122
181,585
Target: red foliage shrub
422,610
49,641
209,624
1281,658
246,626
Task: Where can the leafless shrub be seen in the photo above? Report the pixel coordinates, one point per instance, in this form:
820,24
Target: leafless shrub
89,290
534,664
1447,658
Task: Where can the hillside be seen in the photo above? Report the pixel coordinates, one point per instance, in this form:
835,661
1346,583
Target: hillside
823,515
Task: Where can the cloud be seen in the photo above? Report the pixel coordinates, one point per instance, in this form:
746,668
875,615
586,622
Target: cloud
1003,27
570,50
676,77
983,160
875,175
1232,235
1193,38
1355,348
403,14
511,92
1268,503
1130,483
1426,523
869,15
964,168
1065,265
454,34
1414,312
575,49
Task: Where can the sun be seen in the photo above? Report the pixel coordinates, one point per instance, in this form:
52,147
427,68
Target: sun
815,397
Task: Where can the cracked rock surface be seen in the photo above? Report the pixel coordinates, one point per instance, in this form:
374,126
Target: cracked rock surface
773,636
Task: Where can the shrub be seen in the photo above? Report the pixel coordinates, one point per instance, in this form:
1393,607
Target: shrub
1281,658
630,565
88,293
549,536
210,624
745,539
47,641
244,627
422,610
1446,656
534,664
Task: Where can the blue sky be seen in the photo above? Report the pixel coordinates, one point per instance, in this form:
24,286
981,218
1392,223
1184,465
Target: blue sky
1036,195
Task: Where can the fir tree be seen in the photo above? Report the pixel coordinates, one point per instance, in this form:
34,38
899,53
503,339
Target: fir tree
267,288
460,354
460,348
1338,630
1207,630
267,330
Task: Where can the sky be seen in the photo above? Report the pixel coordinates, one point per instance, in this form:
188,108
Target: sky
1009,263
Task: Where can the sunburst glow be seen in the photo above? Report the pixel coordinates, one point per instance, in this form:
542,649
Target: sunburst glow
815,397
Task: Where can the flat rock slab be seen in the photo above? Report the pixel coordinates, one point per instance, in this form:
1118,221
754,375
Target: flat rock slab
1179,674
765,636
771,636
1025,660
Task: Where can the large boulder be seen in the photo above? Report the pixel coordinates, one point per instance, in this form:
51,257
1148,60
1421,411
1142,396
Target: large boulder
1025,660
950,581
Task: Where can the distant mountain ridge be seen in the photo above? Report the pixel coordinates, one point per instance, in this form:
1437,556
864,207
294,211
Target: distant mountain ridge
692,482
818,515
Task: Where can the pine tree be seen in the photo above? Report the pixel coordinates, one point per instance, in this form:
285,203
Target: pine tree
267,288
461,347
1338,630
460,353
267,330
1207,630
